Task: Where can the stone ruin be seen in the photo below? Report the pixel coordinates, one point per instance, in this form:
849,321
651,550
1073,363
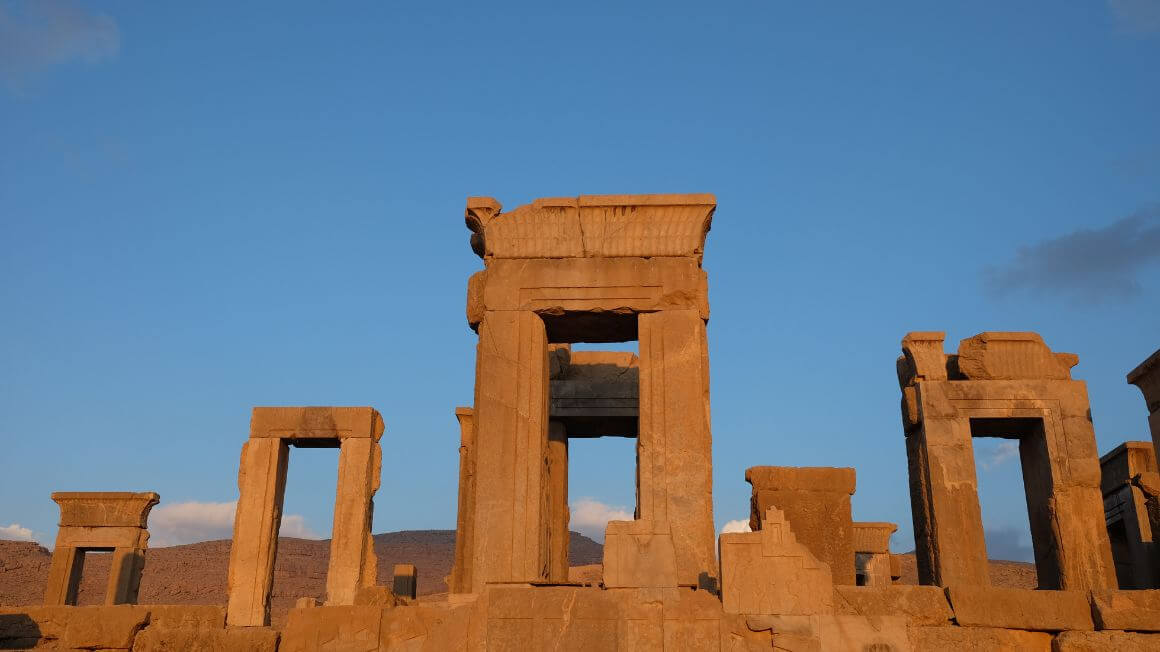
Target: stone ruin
807,576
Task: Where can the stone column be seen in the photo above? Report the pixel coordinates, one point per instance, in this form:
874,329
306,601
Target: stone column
511,428
261,482
125,573
558,536
353,564
672,539
460,581
950,549
64,575
1147,378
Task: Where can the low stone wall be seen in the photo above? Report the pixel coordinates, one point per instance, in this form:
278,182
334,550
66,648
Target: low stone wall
896,618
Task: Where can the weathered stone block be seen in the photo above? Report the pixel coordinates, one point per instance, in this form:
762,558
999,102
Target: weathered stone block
921,605
816,502
1105,641
978,639
316,422
1049,611
349,629
769,572
104,627
234,639
1131,610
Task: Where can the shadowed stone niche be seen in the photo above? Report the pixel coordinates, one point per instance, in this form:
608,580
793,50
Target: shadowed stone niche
607,268
355,431
1007,385
100,521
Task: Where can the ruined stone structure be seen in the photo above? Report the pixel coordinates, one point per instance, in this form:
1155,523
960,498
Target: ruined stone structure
1132,511
261,482
95,521
589,269
1006,385
808,577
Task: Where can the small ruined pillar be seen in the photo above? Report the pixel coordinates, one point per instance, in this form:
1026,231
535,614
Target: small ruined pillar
355,431
872,559
1147,378
92,521
558,536
460,579
816,503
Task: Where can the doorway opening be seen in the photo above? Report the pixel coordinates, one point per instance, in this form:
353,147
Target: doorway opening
1011,460
94,566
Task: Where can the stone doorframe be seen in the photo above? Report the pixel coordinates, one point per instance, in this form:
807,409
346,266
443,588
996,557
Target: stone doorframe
1010,385
610,268
100,521
355,431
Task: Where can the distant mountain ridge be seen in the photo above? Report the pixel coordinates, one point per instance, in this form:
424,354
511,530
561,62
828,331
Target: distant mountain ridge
196,573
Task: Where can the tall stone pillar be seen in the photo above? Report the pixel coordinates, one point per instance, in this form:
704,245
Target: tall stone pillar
672,540
460,581
558,502
950,549
511,427
261,483
353,563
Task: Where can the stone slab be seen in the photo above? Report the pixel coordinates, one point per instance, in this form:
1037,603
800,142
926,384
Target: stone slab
1049,611
1130,610
1105,642
920,605
978,639
234,639
111,628
105,508
316,422
346,628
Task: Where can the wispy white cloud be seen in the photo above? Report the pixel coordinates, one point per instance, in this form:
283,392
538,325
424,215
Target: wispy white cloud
15,532
1006,451
1136,15
189,522
740,525
590,516
35,35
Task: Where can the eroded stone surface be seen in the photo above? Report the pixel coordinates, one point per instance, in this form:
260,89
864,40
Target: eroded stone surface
1048,611
1131,610
1106,642
816,502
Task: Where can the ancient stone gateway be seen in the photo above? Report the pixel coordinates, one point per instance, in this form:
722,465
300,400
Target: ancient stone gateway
1001,385
355,431
100,521
607,268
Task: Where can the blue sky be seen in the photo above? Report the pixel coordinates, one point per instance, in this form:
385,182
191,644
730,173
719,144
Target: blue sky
206,208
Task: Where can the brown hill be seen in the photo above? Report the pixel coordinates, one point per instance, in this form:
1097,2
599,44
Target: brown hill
196,573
